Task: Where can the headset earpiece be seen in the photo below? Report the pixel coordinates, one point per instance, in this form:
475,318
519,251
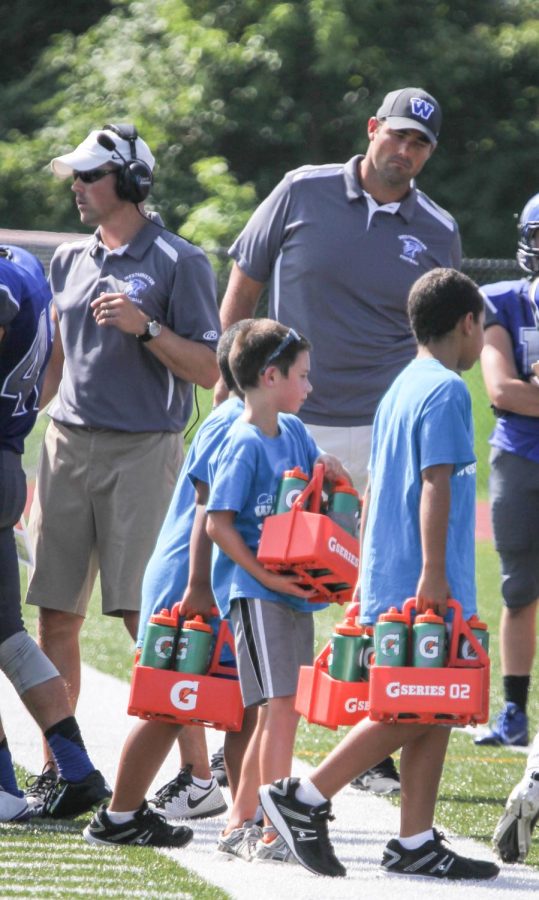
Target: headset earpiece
134,176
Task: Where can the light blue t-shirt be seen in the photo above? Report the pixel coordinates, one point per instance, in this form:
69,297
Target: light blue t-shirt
249,469
424,419
165,578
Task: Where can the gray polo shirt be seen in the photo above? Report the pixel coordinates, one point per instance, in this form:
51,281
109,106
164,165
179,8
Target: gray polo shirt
339,270
111,380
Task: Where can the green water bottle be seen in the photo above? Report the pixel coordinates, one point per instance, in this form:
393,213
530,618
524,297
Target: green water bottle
480,632
194,647
429,640
391,639
344,507
159,639
293,482
366,652
344,662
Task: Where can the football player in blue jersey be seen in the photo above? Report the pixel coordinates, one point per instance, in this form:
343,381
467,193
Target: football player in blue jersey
25,343
508,359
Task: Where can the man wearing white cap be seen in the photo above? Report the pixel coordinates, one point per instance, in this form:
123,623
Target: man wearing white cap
340,246
137,325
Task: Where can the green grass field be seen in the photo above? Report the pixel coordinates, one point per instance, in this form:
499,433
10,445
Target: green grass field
474,786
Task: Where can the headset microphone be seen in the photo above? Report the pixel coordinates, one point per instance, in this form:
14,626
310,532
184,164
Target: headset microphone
109,144
134,176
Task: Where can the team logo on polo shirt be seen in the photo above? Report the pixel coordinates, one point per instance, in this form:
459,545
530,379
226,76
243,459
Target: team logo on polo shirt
411,247
137,284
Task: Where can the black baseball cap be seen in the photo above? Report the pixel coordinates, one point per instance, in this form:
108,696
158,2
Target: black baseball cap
412,108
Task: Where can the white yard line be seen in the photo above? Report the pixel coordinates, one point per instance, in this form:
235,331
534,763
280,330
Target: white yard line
362,826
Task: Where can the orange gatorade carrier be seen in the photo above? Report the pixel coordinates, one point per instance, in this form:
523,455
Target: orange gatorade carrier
187,698
456,693
310,544
329,701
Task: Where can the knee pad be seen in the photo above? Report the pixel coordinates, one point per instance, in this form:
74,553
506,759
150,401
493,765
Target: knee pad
24,663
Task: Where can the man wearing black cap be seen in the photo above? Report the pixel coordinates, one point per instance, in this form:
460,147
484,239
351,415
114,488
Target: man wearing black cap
340,246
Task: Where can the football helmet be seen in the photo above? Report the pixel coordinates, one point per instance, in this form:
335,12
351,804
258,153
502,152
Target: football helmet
528,224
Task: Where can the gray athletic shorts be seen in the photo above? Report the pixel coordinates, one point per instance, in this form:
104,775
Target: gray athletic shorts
514,501
272,642
99,504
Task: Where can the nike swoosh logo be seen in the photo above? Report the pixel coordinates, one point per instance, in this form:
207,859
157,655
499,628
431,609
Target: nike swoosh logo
192,804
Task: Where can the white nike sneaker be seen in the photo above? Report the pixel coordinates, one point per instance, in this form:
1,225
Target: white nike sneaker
181,798
13,809
513,833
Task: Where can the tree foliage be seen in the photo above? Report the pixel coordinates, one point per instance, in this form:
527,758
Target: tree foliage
232,93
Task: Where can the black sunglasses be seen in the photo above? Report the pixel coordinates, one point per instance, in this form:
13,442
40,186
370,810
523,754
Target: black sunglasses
286,341
92,175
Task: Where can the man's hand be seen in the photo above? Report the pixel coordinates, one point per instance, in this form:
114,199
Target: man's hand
118,311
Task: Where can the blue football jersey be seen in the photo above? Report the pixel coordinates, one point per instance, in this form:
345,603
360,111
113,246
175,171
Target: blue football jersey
25,348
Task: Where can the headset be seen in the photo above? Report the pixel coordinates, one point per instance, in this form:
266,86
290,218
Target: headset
134,176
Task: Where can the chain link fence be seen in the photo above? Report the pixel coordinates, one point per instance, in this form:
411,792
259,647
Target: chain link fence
482,271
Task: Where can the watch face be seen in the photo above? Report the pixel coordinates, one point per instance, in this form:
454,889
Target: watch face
154,329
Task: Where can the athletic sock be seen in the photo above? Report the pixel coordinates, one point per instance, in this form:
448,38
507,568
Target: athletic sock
67,746
416,840
8,779
515,690
309,794
201,782
118,818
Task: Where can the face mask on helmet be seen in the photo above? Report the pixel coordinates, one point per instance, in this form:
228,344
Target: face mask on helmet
528,225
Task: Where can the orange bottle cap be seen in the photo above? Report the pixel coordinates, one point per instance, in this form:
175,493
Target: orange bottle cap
197,624
343,487
296,472
163,618
350,629
429,617
475,622
392,615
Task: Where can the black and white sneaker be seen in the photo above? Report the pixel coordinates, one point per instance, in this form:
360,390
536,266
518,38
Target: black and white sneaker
381,779
436,861
145,829
218,769
67,799
38,788
303,827
181,798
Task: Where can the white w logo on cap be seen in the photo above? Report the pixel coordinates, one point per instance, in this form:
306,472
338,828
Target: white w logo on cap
422,108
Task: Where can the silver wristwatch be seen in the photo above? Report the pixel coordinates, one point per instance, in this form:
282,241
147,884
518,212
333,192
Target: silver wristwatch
152,330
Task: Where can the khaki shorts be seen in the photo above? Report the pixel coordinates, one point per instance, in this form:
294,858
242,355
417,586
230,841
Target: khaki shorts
351,445
100,500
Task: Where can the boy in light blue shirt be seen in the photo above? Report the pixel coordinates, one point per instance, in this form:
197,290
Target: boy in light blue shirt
417,540
271,612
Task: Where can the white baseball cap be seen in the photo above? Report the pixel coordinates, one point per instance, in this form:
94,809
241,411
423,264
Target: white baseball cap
92,154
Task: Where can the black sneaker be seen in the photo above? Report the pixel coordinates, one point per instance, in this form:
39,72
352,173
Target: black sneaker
145,829
217,768
67,799
38,788
435,860
303,827
381,779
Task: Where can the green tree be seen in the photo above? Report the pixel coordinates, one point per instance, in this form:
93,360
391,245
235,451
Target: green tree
266,86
